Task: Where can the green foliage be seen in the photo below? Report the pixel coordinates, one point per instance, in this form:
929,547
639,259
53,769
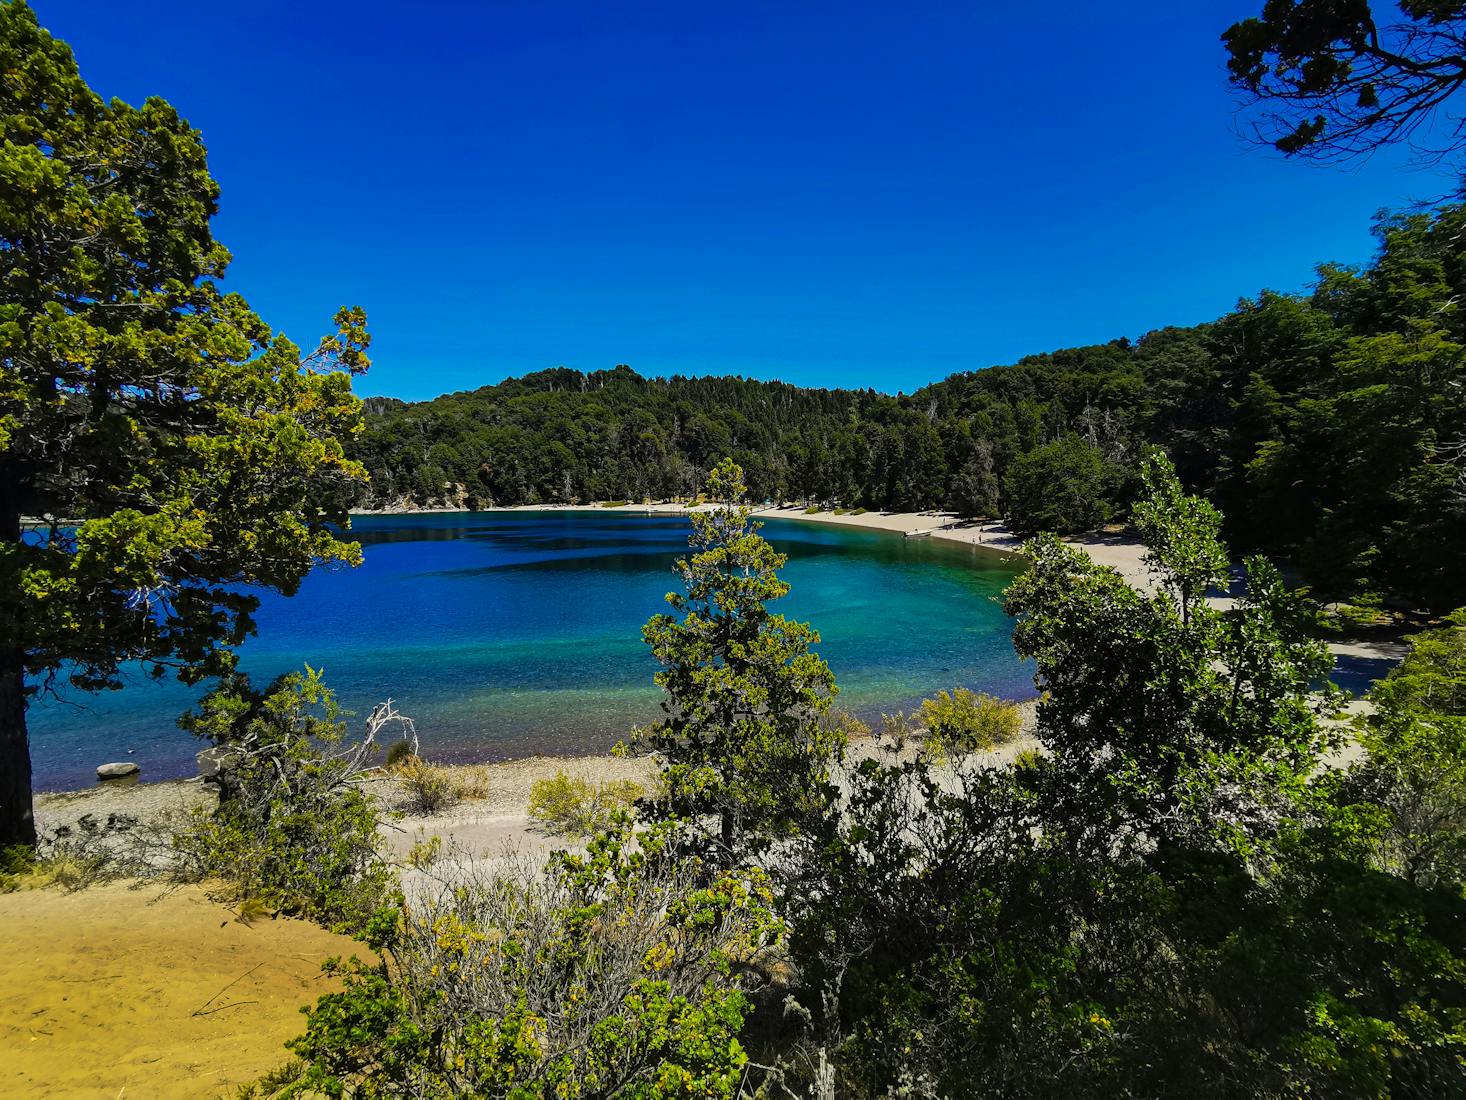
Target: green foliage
1182,535
1172,893
607,974
964,721
424,853
179,454
1059,487
1415,770
432,788
1155,705
571,806
293,831
742,742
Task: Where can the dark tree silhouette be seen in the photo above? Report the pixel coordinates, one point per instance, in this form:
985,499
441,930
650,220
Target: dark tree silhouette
1337,79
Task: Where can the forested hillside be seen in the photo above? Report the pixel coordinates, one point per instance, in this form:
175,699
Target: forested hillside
1330,427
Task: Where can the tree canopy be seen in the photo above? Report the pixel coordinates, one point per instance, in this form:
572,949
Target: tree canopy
1176,893
1334,80
165,449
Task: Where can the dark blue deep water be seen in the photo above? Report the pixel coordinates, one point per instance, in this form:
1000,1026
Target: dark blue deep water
512,633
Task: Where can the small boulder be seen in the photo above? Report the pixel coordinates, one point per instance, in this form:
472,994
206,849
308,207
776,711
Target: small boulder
117,771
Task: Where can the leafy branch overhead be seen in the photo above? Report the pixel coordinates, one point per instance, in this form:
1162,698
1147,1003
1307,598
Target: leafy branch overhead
1336,80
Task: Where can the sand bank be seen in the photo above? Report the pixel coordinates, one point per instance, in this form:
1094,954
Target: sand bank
118,991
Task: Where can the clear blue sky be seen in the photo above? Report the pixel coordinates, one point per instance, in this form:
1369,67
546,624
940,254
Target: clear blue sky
832,194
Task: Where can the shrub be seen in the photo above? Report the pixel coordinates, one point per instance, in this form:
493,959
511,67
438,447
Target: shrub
844,725
426,788
432,788
813,510
426,852
21,868
400,753
963,721
293,830
607,974
571,806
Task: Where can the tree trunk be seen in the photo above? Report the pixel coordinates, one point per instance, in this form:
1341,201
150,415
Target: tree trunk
17,821
729,834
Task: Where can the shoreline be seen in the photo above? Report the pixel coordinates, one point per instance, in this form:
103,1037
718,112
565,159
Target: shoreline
1113,548
480,826
1110,546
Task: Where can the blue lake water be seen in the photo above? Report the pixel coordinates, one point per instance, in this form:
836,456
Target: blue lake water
507,634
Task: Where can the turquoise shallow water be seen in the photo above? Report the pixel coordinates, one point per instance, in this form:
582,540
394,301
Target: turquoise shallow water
511,633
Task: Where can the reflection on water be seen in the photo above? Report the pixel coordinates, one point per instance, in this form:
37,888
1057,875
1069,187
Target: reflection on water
510,633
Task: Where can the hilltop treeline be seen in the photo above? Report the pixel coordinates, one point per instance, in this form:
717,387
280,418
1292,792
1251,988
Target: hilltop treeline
1330,427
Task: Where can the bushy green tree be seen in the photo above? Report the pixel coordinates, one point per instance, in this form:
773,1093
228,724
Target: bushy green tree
1059,487
742,743
1415,767
1162,713
1172,898
174,450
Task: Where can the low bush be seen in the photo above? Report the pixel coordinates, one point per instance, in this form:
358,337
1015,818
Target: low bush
22,869
432,788
571,806
813,510
963,721
293,831
425,852
617,973
400,753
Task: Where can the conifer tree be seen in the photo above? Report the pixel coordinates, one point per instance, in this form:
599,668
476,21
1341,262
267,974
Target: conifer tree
172,450
744,742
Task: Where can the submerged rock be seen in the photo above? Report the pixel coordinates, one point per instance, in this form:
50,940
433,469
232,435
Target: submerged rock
117,771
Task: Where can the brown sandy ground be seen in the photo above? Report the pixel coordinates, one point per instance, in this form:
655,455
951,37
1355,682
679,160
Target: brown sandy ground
117,991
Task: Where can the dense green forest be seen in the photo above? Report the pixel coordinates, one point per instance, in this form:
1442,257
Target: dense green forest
1329,426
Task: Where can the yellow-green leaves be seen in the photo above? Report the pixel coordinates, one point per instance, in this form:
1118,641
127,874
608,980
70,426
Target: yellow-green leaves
742,741
172,447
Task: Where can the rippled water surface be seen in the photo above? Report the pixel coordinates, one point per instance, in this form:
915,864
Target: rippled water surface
510,633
